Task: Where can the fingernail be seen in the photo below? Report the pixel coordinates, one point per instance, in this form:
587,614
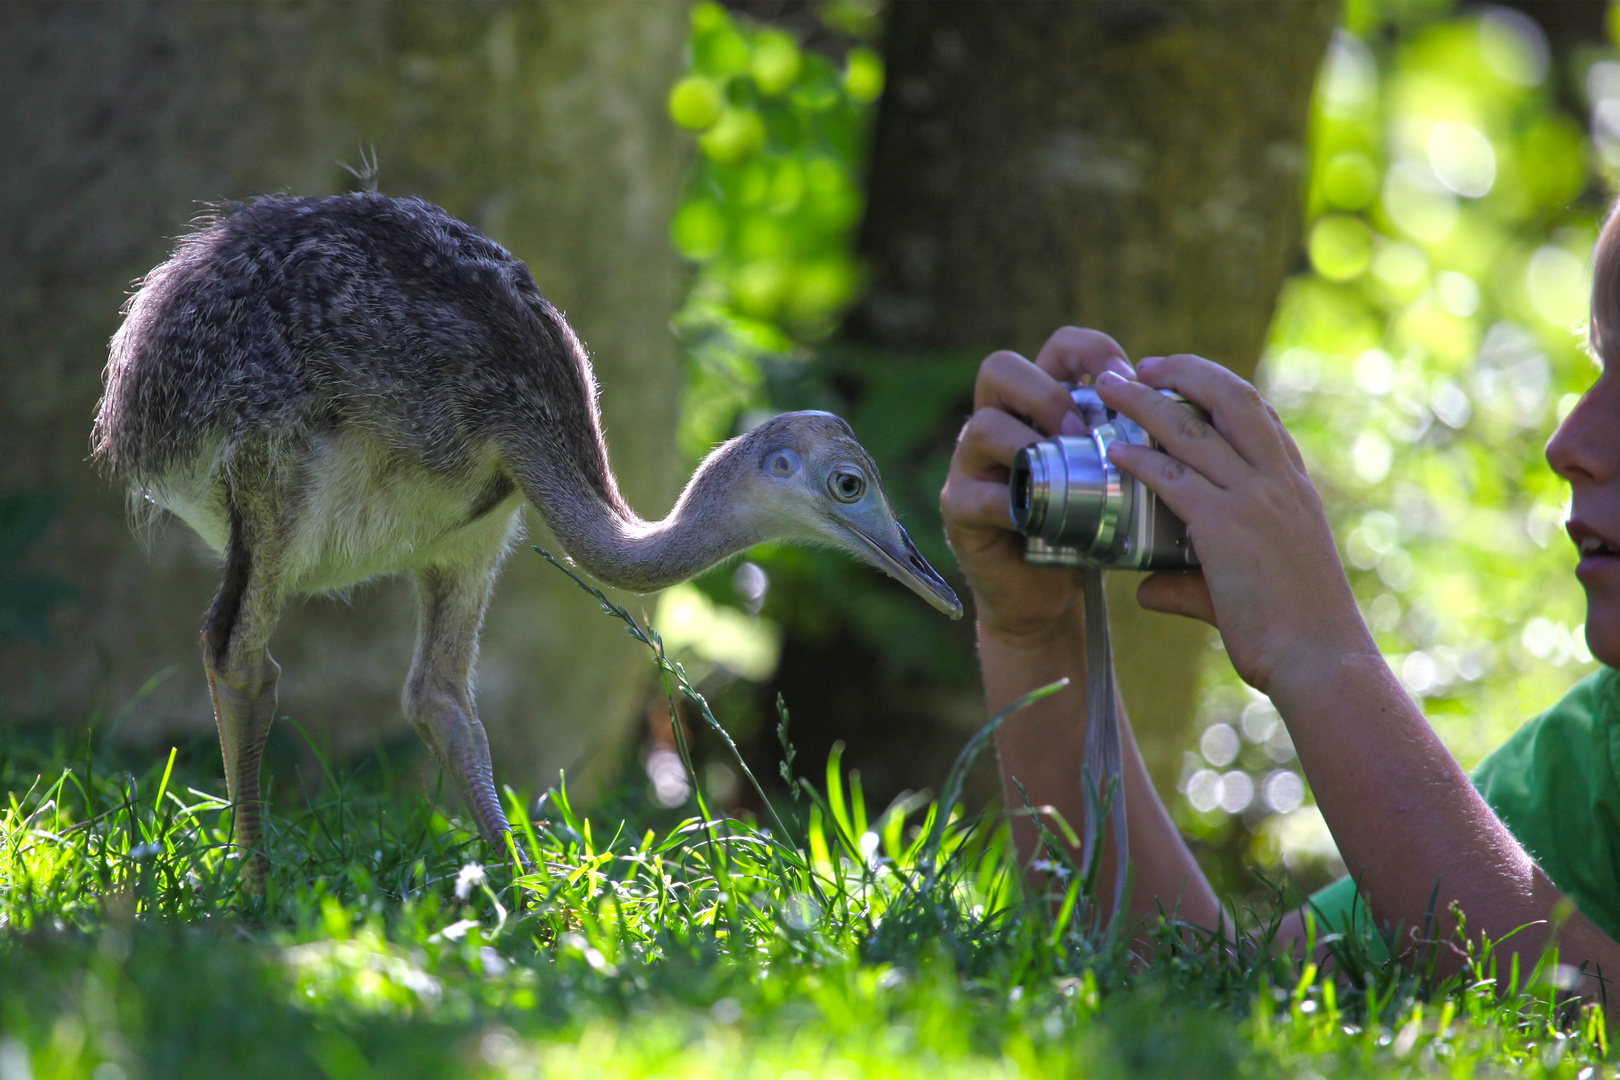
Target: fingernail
1111,378
1123,366
1072,425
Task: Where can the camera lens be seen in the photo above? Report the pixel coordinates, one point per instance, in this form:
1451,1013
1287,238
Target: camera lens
1077,509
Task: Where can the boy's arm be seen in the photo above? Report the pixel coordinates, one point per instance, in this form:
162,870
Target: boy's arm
1040,748
1404,815
1409,824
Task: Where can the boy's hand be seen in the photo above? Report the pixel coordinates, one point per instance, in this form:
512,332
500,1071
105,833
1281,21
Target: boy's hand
1271,581
1016,403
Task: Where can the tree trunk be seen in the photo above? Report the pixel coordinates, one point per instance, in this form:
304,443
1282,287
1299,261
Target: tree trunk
1130,166
542,124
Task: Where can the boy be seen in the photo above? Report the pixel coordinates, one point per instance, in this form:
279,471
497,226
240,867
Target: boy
1402,811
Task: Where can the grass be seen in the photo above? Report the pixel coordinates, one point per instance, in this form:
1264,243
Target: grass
831,940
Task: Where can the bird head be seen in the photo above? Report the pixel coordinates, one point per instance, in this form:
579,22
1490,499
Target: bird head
817,483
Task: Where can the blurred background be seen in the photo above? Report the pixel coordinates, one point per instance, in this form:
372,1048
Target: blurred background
1381,211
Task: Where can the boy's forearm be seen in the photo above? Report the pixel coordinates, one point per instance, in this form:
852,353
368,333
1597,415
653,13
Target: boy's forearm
1041,749
1403,812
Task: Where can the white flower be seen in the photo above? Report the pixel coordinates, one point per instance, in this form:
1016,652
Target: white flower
471,874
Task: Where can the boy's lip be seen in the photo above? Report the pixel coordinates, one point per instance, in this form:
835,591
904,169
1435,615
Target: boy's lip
1600,552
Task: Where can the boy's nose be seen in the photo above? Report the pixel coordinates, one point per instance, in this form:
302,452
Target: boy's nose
1586,447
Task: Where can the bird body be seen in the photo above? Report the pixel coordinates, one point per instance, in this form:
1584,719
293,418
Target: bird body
336,388
363,512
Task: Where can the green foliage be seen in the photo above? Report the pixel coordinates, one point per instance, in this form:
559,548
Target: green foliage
768,213
748,357
844,943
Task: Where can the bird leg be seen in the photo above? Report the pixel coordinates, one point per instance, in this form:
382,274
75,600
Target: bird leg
242,679
244,694
438,698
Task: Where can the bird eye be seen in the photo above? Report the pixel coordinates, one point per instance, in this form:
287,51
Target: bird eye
847,485
783,463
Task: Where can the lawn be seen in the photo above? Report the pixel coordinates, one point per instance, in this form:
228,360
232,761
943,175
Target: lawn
827,940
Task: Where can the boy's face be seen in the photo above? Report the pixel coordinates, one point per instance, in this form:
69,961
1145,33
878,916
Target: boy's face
1585,450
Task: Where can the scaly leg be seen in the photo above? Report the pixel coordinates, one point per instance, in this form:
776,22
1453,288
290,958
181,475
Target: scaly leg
438,697
244,693
242,678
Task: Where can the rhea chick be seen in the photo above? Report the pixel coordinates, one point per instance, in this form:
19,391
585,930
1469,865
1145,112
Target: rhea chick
331,389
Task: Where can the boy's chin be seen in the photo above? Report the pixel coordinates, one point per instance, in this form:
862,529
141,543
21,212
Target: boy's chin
1603,630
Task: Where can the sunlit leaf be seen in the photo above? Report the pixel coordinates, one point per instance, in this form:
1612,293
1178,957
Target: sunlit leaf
776,62
734,136
863,76
696,103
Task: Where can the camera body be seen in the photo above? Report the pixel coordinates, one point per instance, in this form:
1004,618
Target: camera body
1077,509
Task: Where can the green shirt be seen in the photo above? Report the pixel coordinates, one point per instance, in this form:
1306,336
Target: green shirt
1556,786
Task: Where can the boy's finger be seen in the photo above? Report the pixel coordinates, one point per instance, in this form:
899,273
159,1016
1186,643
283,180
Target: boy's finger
1239,412
1012,384
1183,488
1177,594
1073,352
1183,434
977,504
988,443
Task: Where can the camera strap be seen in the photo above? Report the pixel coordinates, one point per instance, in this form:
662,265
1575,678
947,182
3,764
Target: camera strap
1101,776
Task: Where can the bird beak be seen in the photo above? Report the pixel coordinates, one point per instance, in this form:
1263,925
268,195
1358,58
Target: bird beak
900,559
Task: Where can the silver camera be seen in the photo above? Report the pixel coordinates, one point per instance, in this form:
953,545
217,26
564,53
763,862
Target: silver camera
1078,510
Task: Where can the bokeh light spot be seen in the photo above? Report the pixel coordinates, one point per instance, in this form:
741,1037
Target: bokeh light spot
670,786
1259,720
1204,790
1462,158
1513,47
1557,285
1282,791
1237,791
1450,402
1375,372
1370,456
1341,247
1350,181
1417,204
1350,76
1457,293
1402,267
1219,744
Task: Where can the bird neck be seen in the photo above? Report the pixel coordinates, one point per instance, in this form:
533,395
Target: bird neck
709,523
